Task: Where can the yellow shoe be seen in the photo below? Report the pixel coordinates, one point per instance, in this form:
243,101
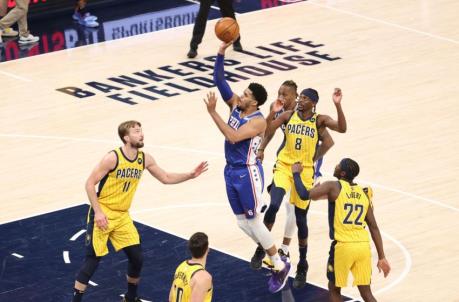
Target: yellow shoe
9,32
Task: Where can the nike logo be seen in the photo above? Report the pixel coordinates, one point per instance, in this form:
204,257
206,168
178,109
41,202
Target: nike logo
242,176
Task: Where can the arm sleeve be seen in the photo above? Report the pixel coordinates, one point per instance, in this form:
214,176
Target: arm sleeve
219,79
300,188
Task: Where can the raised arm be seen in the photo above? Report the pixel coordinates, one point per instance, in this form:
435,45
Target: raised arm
269,133
383,264
172,178
340,125
250,129
201,283
107,164
231,99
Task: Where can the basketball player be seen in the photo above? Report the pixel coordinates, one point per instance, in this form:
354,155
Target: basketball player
350,211
243,171
287,95
118,175
226,9
192,283
303,131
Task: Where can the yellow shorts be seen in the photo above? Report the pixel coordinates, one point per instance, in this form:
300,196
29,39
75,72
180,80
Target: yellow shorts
121,232
283,178
349,256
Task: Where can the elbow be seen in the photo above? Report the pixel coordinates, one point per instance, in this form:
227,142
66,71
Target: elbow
342,130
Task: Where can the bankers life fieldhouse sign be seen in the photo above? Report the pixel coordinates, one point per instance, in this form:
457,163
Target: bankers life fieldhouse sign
193,75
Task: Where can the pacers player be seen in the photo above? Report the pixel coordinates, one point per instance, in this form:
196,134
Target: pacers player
243,171
303,131
350,211
192,283
287,95
118,175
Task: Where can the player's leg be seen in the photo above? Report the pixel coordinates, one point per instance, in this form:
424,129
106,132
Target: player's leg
335,292
227,10
126,237
303,232
289,229
135,257
199,27
340,261
96,247
361,270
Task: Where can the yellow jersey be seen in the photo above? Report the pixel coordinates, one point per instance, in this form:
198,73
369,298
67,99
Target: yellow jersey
117,188
347,214
181,291
300,141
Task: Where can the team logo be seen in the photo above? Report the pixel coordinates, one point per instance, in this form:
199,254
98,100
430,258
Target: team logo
330,268
139,161
313,119
88,239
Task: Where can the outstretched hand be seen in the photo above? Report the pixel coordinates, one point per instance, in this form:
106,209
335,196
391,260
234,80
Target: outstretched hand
224,46
201,168
383,265
337,96
211,102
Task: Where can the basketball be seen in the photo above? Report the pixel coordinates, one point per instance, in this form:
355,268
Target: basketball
227,29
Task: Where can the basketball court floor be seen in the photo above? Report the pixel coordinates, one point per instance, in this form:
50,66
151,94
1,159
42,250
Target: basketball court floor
397,63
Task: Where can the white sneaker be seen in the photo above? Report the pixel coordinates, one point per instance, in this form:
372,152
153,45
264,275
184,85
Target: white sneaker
9,32
29,39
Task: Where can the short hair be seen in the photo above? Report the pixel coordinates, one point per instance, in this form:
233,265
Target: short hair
198,244
291,84
350,167
259,93
123,128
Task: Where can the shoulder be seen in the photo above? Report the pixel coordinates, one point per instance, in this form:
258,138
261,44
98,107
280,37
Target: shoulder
148,159
286,115
202,276
110,158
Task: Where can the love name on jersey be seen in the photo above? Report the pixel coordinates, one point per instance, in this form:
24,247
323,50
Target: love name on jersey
301,129
128,173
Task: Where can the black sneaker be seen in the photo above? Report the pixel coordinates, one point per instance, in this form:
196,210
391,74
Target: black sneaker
192,53
281,253
300,278
237,46
257,259
136,299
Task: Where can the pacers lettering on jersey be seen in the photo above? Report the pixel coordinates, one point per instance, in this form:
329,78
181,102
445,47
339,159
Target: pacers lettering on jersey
233,122
129,173
301,129
181,276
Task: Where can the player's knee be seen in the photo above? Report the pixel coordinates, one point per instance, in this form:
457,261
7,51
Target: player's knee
270,215
88,269
277,194
365,292
135,256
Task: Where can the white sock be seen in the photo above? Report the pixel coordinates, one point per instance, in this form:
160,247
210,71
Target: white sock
277,262
284,248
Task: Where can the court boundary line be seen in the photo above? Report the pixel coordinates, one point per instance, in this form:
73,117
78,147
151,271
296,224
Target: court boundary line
12,75
220,154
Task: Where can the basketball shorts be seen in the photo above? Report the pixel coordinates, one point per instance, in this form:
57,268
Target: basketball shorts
349,256
283,178
244,187
121,232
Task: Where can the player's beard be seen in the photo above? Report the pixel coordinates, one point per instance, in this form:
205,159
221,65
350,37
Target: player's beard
138,145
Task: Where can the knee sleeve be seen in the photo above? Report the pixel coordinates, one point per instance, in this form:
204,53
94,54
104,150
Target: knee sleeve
302,223
290,222
242,223
88,269
277,194
135,256
261,232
